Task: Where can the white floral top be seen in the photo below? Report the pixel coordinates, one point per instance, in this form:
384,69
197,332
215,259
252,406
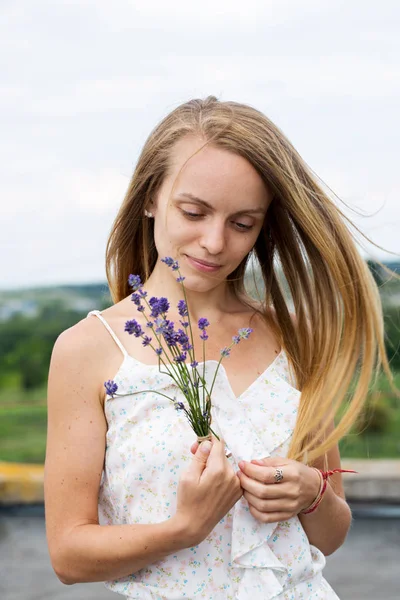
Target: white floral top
147,447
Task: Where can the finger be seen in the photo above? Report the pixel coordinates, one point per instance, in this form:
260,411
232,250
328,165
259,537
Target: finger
263,474
193,447
271,461
199,460
270,506
274,517
261,490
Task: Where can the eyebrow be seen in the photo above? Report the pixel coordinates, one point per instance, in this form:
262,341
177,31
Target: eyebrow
192,198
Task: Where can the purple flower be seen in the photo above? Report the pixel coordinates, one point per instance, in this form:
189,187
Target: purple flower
182,309
136,298
225,352
179,405
203,323
158,351
142,293
168,261
135,282
133,327
244,333
203,335
194,364
158,306
187,347
146,340
236,339
181,337
149,324
140,308
111,387
184,323
180,279
180,358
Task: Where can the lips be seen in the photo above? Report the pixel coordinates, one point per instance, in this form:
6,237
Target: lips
203,262
202,265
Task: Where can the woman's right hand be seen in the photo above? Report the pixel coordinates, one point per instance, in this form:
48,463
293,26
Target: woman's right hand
207,490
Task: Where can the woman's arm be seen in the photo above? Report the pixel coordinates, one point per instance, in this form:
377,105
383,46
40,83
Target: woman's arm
328,525
80,549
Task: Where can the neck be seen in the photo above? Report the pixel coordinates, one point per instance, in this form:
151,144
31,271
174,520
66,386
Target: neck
211,303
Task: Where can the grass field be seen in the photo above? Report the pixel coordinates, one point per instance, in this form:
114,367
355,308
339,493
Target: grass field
23,422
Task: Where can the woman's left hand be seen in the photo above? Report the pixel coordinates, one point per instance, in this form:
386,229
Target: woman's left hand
269,501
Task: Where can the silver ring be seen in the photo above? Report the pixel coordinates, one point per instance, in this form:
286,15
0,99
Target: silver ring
278,475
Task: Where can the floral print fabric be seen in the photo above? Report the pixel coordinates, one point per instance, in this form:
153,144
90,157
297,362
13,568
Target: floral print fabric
147,447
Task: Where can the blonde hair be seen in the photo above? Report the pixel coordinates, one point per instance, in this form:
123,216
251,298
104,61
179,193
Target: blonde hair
336,345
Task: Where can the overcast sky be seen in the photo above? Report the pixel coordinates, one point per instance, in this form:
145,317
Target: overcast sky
83,83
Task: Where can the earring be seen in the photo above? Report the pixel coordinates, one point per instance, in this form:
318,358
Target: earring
148,214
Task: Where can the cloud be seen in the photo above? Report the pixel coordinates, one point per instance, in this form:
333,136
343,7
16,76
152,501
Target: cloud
84,83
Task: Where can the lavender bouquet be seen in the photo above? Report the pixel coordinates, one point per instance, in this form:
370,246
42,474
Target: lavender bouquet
175,350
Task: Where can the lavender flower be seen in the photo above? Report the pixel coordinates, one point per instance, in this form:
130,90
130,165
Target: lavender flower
111,387
176,346
168,261
203,323
136,298
182,308
133,327
180,358
135,282
182,337
158,306
244,333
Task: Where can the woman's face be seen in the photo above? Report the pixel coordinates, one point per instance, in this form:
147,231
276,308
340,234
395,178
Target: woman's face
214,215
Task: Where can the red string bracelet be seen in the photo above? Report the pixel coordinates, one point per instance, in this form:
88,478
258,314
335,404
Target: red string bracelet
324,475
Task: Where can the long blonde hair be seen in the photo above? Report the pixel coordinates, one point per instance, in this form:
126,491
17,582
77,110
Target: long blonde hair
335,345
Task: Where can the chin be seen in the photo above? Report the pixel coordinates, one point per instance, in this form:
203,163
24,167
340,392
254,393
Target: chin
195,283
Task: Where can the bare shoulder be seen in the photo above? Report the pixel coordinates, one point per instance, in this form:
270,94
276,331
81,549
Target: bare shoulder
79,354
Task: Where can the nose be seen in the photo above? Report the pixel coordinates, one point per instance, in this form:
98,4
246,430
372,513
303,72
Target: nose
213,236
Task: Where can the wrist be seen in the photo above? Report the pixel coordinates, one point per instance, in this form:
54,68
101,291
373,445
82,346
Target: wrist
317,492
185,531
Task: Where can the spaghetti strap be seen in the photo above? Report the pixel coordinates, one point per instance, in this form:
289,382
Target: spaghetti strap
98,314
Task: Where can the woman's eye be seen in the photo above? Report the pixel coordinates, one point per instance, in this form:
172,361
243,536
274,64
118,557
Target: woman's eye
191,215
243,227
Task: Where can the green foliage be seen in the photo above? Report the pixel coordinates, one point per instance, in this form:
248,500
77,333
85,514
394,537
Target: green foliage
376,416
23,434
392,335
26,343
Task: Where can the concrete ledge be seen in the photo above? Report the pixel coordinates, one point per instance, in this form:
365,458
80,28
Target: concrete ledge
375,481
21,483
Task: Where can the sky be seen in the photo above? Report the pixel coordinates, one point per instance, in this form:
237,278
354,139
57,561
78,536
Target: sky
82,84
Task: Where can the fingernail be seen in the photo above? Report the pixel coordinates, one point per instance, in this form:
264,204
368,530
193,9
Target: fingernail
241,464
205,447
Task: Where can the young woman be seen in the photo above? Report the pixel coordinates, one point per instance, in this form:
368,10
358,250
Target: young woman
131,498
